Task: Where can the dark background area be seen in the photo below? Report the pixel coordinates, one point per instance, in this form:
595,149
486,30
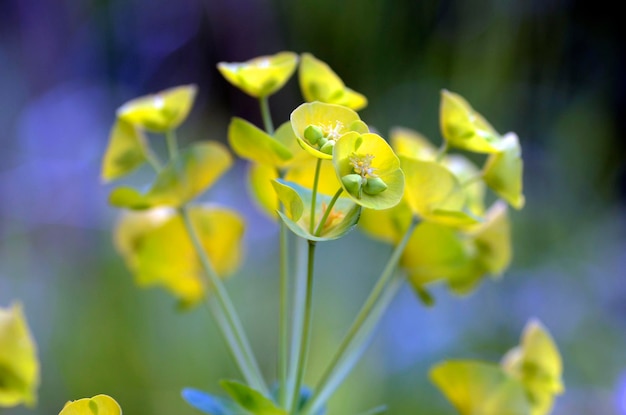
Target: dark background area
552,71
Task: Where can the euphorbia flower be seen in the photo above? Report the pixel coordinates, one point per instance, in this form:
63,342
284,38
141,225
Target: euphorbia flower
260,77
98,405
464,128
161,112
318,126
503,171
318,82
157,248
369,170
19,367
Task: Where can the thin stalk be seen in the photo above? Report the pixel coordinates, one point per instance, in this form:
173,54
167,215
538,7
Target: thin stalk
267,115
172,144
283,322
329,208
365,311
442,151
376,411
316,180
236,337
154,161
299,292
306,329
473,179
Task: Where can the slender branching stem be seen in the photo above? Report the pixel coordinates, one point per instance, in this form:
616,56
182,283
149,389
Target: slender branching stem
329,209
316,180
267,115
172,144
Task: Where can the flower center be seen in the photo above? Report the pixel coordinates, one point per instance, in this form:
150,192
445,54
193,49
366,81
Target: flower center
332,132
362,165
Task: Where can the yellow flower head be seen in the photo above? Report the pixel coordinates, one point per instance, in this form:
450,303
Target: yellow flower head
161,112
19,367
319,82
260,77
98,405
318,126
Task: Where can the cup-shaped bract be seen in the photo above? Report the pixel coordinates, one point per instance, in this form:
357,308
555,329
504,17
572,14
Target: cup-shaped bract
182,179
251,143
297,212
318,126
126,151
158,250
318,82
98,405
504,169
464,128
369,170
262,76
19,367
388,225
536,362
160,112
480,388
492,239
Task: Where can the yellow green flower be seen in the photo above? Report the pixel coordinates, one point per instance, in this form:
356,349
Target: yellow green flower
369,170
503,171
161,112
19,367
157,249
98,405
318,82
260,77
318,126
126,151
464,128
536,363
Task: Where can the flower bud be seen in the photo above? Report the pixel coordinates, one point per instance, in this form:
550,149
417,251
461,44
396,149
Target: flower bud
352,183
313,133
374,186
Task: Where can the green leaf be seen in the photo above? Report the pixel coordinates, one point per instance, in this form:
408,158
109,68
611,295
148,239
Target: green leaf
251,143
125,152
195,170
476,388
251,399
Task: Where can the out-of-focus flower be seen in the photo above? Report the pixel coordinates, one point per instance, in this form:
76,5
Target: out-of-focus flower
157,248
369,170
98,405
19,367
127,150
260,77
161,112
318,82
503,171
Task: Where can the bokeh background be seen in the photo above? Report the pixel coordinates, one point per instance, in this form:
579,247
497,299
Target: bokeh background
552,71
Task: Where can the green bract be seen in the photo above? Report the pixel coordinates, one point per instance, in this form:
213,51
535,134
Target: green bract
369,170
98,405
464,128
127,150
318,82
260,77
161,112
158,250
297,216
249,142
19,367
318,126
503,171
193,171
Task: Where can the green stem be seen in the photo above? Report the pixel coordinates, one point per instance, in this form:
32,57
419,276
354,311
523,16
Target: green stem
306,330
363,314
316,180
473,179
172,144
267,115
299,292
154,161
283,323
442,151
320,226
226,314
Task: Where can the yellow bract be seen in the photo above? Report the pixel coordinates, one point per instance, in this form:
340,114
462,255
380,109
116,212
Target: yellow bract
503,171
319,82
19,367
368,158
98,405
388,225
262,76
158,250
493,239
410,143
125,152
161,112
464,128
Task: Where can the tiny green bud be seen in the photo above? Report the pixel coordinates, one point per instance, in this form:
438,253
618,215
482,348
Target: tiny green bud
352,183
313,133
374,186
328,146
